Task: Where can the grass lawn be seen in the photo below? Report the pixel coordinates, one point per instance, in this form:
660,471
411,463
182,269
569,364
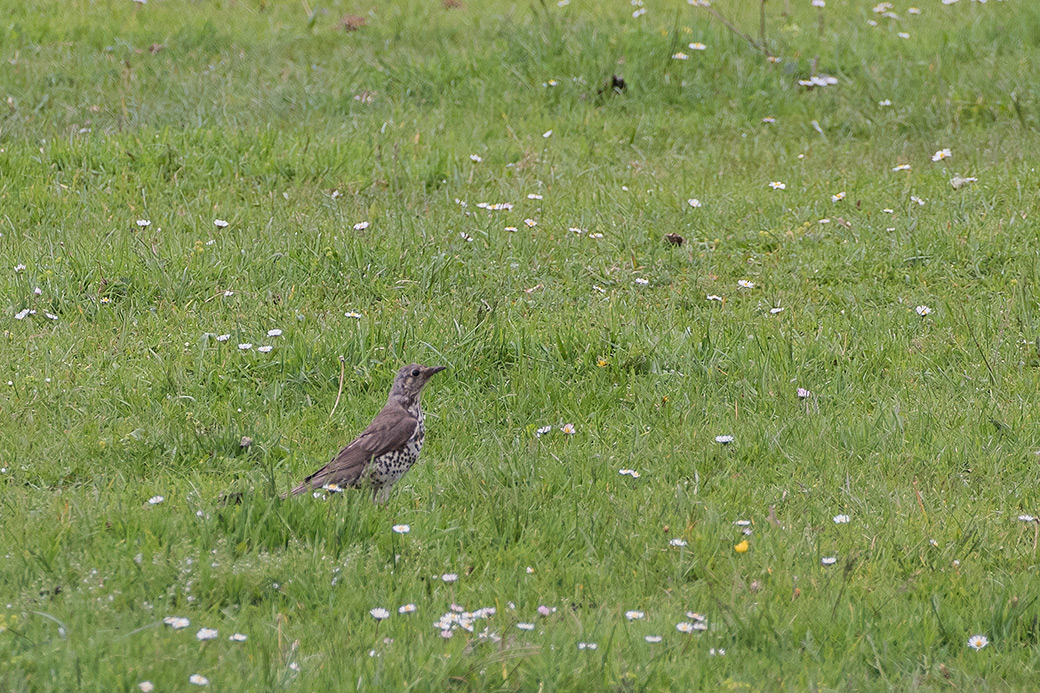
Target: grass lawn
458,184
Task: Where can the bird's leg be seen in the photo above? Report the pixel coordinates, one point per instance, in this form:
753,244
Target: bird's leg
382,495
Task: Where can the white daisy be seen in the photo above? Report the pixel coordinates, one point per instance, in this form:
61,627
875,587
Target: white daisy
724,440
220,223
146,687
680,56
693,202
274,333
642,282
841,519
713,297
977,642
361,226
697,46
379,613
143,223
245,346
401,529
634,615
677,542
838,197
684,627
237,637
829,560
449,577
156,500
475,158
406,609
525,626
942,154
1026,518
265,349
778,185
653,638
923,310
353,314
744,283
198,680
206,634
534,196
223,337
568,429
176,622
587,646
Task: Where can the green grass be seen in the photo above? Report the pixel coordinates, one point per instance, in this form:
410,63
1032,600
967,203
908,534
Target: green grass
918,428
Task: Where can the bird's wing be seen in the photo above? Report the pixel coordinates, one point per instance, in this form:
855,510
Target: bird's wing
390,430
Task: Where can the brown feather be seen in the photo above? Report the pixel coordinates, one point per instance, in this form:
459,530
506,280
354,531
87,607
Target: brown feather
390,430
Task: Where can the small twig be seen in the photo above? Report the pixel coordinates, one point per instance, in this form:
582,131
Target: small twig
920,501
762,23
342,372
729,25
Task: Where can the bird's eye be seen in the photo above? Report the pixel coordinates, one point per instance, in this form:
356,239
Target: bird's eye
415,373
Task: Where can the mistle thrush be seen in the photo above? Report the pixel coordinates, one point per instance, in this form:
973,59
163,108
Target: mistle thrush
388,448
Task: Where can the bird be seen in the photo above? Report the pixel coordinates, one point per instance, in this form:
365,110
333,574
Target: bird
387,449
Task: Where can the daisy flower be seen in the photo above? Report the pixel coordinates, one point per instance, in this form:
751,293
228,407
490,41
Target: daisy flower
838,197
677,542
653,638
146,687
769,120
353,314
475,158
220,223
543,430
884,102
531,223
361,226
401,529
629,472
332,488
534,196
1026,518
245,346
206,634
744,283
693,202
406,609
684,627
198,680
156,500
587,646
143,223
525,626
977,642
176,622
901,167
724,440
942,154
829,560
449,577
680,56
634,615
778,185
379,613
238,637
223,337
642,282
265,349
568,429
697,46
923,310
841,519
713,297
803,393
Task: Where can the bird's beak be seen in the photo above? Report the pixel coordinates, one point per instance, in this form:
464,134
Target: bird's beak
435,369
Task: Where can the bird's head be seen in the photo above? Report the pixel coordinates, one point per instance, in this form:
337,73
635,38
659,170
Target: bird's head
411,379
